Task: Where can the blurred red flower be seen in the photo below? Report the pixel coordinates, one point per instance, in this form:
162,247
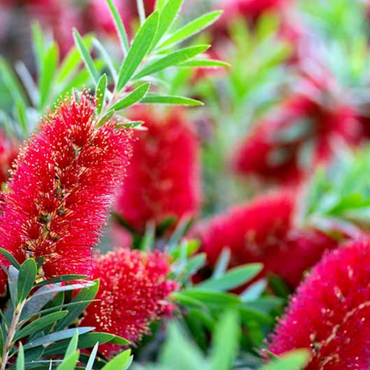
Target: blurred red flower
263,231
329,315
132,294
163,178
58,197
8,153
303,130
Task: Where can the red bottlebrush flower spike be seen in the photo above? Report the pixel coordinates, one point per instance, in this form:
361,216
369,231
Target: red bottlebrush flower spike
262,231
8,153
65,179
163,179
276,149
132,294
330,312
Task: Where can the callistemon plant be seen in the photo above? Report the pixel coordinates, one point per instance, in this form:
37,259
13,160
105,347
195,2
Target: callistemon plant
63,183
163,178
264,231
58,197
120,309
329,315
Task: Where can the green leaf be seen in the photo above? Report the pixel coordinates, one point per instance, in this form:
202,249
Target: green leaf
61,288
210,298
294,360
86,341
69,362
1,339
22,115
84,295
72,60
121,31
47,74
222,264
205,63
26,278
132,98
121,362
85,55
9,257
60,335
20,358
180,353
13,274
107,59
38,43
72,347
173,59
233,278
90,364
61,279
138,50
11,82
191,29
225,342
100,93
170,99
167,17
40,324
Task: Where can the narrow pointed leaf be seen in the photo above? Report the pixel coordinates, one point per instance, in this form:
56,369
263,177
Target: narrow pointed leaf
60,335
9,257
171,60
26,279
132,98
122,361
74,312
100,93
85,55
61,279
170,99
168,15
233,278
72,347
47,74
205,63
40,324
90,364
69,362
20,358
138,50
121,31
191,28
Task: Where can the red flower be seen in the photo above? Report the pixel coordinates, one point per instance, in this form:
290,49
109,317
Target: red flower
163,179
132,294
8,153
330,312
278,148
57,200
262,231
252,9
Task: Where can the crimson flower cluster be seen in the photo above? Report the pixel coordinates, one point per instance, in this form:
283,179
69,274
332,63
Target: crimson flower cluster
132,294
329,315
263,231
8,153
57,200
304,129
163,178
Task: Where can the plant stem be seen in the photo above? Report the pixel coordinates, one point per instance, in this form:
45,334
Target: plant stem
11,333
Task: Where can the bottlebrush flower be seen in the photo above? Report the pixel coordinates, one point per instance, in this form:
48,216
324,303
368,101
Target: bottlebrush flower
163,179
278,148
252,9
8,153
65,178
330,312
262,231
132,294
